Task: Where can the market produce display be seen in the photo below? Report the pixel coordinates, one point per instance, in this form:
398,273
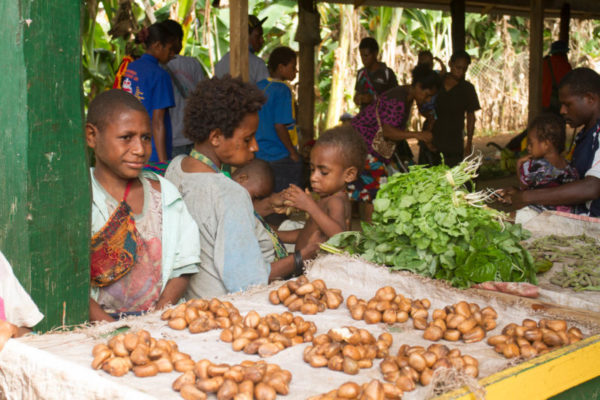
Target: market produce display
578,254
245,381
268,335
368,391
389,307
306,297
462,320
347,349
141,353
415,364
200,315
533,338
425,221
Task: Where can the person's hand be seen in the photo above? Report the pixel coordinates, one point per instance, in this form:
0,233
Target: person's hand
276,201
522,160
512,196
427,138
7,331
312,246
296,197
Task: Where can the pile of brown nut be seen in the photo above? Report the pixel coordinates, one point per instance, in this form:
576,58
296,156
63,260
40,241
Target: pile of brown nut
533,338
305,296
141,353
200,315
347,349
268,335
389,307
462,320
247,380
416,364
368,391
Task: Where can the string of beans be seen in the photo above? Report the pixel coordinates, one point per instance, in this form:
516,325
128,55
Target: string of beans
580,255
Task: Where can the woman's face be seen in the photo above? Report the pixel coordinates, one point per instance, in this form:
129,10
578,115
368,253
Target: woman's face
239,149
423,96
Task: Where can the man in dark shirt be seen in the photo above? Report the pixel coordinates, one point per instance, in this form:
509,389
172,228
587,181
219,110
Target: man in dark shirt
456,98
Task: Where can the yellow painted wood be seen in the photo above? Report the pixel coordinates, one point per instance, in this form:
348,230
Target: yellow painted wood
541,377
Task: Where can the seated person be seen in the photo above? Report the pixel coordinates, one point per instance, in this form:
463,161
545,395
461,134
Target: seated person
18,313
579,94
335,160
221,119
257,178
544,166
145,244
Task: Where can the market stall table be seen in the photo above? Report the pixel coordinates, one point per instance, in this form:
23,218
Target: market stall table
57,365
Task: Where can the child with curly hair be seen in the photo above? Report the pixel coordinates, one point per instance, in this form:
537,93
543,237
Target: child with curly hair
221,118
544,166
335,160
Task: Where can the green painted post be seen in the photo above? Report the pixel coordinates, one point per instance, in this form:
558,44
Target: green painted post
44,184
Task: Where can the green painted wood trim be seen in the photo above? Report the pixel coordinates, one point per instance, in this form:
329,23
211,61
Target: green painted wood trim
589,390
45,193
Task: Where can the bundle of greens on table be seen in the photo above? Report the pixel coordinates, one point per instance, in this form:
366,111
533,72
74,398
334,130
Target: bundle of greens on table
425,221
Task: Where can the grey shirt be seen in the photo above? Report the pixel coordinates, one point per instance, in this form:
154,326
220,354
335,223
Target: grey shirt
231,259
185,73
257,67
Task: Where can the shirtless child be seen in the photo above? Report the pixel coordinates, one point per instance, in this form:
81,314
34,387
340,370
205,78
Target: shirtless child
335,160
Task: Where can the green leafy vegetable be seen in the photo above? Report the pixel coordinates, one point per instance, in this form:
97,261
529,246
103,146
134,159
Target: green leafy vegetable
426,222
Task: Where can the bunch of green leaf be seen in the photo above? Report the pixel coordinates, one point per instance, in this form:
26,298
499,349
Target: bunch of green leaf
426,222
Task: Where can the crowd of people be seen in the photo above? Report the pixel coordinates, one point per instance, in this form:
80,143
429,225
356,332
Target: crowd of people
229,154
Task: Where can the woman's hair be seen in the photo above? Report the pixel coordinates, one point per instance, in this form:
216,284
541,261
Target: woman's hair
157,32
460,54
107,105
280,56
426,77
219,103
351,146
550,127
370,44
174,28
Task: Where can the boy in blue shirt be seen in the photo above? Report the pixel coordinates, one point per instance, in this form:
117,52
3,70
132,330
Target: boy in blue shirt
276,135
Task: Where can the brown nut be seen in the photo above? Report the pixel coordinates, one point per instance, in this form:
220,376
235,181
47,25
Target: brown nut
529,323
309,308
349,390
373,390
101,357
191,392
405,383
471,370
417,361
488,324
454,320
210,385
187,378
305,289
268,349
489,312
420,323
350,366
372,316
401,316
433,333
164,365
358,311
228,390
389,316
551,338
426,376
452,335
149,369
463,308
130,341
474,335
273,297
556,325
117,366
467,325
497,339
262,391
511,350
178,323
184,365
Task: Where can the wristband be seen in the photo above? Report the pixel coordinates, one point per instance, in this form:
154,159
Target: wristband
298,263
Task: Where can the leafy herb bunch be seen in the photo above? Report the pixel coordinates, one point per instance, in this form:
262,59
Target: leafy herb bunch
425,221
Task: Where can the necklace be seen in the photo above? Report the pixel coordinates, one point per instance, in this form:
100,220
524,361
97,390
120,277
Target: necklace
204,159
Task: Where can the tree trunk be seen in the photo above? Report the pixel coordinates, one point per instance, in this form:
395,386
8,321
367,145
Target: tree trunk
339,67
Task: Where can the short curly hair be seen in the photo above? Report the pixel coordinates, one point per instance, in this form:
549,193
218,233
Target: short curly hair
219,103
550,127
353,150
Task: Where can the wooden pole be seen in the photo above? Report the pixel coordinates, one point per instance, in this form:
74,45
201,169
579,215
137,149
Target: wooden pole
238,30
306,78
45,195
565,21
535,57
457,13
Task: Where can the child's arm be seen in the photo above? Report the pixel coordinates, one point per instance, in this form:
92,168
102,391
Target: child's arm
289,236
159,134
97,313
7,331
174,290
330,222
284,136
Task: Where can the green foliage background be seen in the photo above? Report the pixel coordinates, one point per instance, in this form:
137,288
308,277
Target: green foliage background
498,44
